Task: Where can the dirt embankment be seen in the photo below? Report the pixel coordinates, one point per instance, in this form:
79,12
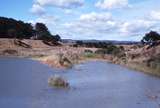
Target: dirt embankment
54,56
143,58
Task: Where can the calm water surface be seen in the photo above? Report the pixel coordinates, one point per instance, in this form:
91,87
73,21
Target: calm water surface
96,84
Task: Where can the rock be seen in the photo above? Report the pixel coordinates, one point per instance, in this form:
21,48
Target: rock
57,81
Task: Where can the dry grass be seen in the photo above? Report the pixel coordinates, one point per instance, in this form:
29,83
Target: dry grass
143,68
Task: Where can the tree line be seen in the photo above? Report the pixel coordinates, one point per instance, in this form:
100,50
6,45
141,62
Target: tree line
152,37
11,28
80,43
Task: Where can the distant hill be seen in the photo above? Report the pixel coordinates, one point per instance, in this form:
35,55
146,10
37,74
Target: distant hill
70,41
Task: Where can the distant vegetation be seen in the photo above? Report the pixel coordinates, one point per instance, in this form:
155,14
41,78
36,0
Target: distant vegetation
104,48
91,44
11,28
112,50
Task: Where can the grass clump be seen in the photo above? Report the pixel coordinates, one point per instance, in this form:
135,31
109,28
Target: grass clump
10,51
57,81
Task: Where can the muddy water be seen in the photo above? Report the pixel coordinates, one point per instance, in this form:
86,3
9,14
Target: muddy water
94,84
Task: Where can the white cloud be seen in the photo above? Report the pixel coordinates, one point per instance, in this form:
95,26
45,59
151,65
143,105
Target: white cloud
61,3
99,26
37,9
68,11
93,25
104,26
136,27
155,15
96,16
93,21
111,4
49,20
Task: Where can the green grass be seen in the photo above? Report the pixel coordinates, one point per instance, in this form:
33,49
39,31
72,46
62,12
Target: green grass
90,55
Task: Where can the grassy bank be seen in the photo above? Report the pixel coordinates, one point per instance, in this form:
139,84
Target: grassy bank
144,68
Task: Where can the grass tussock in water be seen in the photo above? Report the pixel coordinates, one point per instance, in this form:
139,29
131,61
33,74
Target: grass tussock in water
57,81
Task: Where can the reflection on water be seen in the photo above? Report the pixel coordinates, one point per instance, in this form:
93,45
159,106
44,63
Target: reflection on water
23,84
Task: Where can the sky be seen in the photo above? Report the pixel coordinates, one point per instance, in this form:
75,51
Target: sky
88,19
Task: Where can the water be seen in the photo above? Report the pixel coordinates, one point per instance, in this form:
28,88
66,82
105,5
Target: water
96,84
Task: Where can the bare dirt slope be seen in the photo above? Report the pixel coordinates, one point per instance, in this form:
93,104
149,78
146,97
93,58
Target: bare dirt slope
10,43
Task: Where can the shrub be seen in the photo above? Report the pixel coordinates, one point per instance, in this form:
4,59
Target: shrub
113,50
88,51
100,51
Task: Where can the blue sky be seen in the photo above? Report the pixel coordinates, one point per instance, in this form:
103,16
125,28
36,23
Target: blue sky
89,19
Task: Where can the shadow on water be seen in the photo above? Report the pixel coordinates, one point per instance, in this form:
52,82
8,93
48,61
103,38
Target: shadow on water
23,84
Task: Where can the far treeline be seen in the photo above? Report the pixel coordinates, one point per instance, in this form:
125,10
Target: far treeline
11,28
150,38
